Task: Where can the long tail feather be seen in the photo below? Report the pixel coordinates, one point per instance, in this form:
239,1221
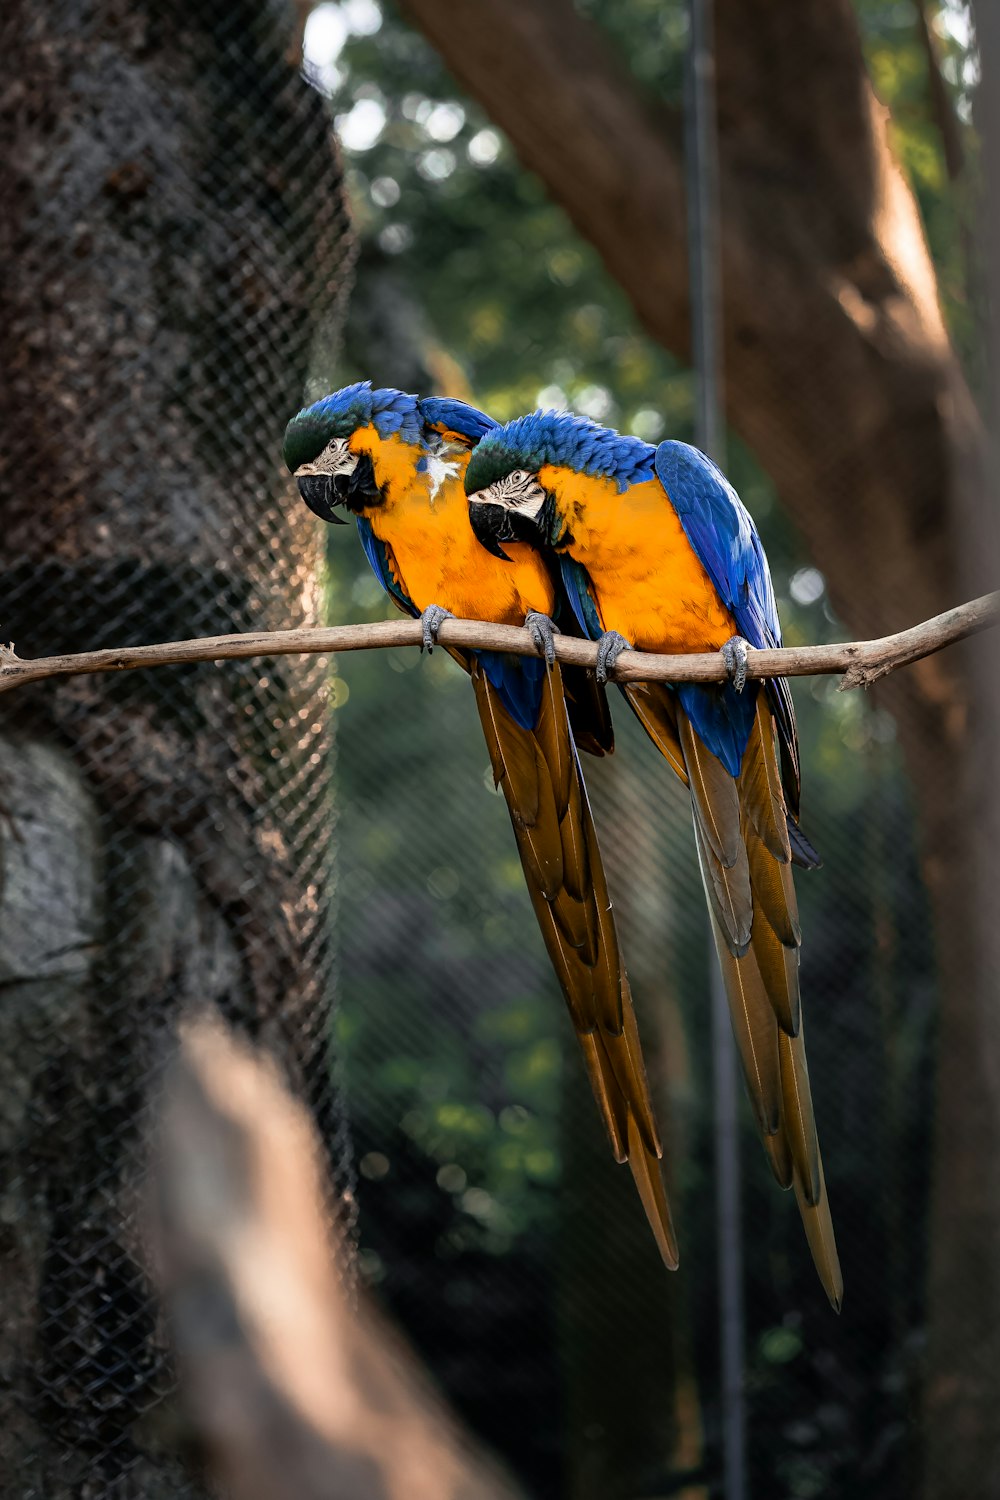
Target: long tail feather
654,706
589,713
715,797
773,892
746,846
760,787
637,1087
610,1099
539,773
755,1029
803,853
649,1181
797,1117
819,1233
778,1154
779,972
518,767
609,971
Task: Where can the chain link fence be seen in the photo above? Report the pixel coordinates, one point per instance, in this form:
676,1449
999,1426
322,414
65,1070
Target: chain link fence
176,250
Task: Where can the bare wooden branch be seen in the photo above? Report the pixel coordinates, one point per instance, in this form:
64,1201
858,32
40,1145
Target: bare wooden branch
862,662
296,1387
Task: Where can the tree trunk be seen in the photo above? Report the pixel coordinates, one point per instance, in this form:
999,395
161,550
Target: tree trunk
840,375
173,229
298,1388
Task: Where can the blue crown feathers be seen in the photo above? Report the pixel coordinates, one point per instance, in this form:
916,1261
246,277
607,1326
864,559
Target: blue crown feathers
391,412
557,437
342,412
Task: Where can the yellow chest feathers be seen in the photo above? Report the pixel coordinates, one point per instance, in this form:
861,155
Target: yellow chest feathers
647,580
424,520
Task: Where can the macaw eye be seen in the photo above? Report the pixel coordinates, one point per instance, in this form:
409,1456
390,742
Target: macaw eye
520,476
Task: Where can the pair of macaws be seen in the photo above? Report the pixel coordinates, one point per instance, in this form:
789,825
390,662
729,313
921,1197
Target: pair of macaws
554,522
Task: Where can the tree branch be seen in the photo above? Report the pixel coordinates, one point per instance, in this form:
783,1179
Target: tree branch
946,119
862,662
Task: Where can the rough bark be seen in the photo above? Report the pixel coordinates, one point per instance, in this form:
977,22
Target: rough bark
840,375
172,224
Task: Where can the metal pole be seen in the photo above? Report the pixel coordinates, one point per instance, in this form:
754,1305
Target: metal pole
701,166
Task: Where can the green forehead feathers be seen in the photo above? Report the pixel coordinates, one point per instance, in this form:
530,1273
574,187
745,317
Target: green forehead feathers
489,462
308,433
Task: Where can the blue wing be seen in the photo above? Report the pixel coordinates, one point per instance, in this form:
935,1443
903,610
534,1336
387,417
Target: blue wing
457,416
725,541
378,556
721,531
576,582
519,681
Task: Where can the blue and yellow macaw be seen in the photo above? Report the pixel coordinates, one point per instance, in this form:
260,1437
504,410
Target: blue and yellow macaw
657,552
397,463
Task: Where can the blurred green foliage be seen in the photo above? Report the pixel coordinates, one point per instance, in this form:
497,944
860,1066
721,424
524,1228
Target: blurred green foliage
451,1028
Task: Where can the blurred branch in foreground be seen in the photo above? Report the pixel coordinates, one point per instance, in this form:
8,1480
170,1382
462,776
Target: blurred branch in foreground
296,1393
862,662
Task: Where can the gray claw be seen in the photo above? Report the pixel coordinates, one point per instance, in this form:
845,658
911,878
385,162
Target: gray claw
735,654
609,648
543,632
432,619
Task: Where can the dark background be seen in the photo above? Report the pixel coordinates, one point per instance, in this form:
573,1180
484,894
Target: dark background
179,262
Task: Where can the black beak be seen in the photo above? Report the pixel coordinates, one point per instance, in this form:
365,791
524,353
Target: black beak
492,525
321,494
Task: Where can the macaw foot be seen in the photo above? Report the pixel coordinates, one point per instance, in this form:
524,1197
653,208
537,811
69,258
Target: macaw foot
432,619
735,654
543,632
609,648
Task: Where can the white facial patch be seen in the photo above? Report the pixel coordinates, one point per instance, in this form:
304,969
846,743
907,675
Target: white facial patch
336,458
518,491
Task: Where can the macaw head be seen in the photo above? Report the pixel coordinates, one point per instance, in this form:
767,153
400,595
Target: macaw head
515,478
331,446
346,448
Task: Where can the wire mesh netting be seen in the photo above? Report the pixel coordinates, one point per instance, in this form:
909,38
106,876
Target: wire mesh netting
492,1216
529,1282
177,254
175,245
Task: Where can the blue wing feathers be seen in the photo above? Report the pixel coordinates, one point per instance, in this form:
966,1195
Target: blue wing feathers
722,718
577,586
518,680
724,538
375,552
458,415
